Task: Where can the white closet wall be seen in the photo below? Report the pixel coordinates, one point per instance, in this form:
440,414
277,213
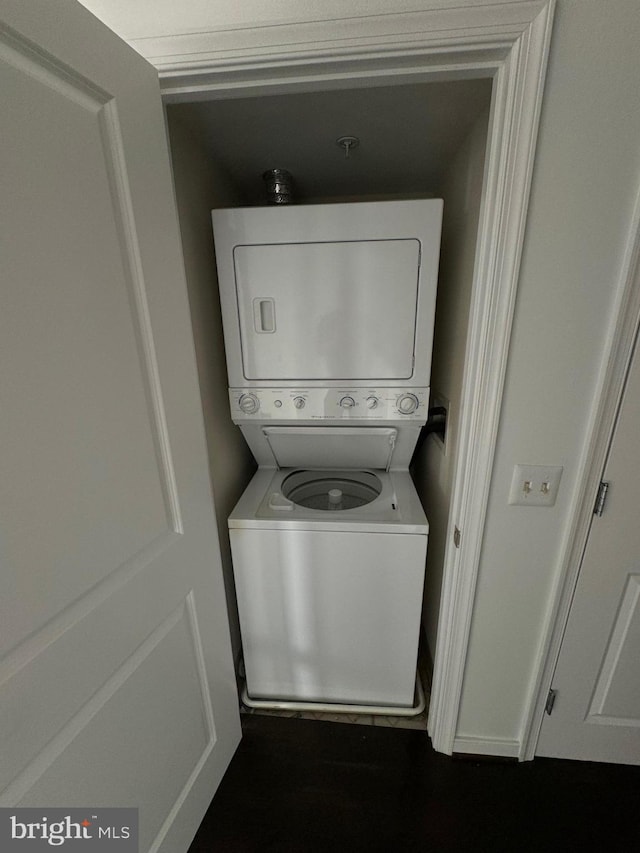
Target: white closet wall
200,186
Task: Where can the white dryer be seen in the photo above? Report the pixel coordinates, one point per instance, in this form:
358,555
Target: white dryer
328,319
329,295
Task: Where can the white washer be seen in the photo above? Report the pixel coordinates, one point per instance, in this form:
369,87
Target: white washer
330,599
329,560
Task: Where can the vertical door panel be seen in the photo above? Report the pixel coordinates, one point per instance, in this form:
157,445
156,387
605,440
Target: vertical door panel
116,680
81,458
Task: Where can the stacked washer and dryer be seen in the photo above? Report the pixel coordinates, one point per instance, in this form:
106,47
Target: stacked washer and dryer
328,314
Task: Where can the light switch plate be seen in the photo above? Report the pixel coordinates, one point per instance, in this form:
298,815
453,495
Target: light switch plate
535,485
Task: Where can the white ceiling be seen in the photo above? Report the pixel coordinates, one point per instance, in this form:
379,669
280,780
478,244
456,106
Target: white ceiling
408,134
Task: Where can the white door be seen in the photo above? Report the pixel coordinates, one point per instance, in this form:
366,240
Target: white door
596,715
315,296
116,679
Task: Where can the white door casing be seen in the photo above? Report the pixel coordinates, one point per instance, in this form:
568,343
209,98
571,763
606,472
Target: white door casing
116,679
596,713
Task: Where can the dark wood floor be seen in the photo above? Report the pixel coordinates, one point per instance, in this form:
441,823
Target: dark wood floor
306,786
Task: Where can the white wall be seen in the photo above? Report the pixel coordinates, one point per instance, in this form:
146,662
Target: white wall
433,466
585,179
199,188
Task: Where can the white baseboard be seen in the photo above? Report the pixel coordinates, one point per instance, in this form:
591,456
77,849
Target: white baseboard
500,747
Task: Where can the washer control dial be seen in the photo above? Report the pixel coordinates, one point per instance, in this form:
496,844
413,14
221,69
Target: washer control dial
347,402
299,402
407,404
372,402
249,403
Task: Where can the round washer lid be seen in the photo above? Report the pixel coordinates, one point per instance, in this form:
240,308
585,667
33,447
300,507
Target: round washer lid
331,490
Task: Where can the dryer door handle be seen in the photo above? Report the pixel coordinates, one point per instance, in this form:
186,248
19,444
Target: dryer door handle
264,315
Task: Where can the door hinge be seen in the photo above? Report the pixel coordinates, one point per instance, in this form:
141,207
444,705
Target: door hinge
601,498
457,536
551,701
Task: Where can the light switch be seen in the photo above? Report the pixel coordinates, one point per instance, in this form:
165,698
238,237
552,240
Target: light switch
535,485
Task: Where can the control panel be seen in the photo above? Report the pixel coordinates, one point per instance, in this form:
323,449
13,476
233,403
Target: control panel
308,404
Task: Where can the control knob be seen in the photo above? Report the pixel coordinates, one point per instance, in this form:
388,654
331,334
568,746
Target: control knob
372,402
299,402
249,403
407,403
347,402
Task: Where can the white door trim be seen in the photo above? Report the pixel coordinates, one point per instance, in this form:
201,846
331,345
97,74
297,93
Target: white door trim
623,330
508,41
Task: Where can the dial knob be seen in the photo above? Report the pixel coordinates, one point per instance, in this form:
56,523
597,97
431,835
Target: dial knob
407,404
372,402
249,404
299,402
347,402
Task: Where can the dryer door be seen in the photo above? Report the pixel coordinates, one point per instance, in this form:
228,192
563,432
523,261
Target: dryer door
328,310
